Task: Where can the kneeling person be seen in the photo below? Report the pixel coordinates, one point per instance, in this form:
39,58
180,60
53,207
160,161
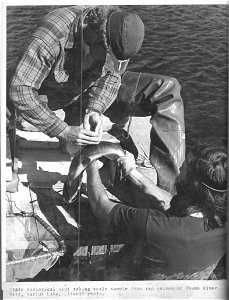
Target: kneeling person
176,238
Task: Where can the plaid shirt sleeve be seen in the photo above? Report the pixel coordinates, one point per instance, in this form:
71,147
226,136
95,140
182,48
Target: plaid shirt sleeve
32,69
104,91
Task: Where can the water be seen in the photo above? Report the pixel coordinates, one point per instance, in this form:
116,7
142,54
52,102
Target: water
186,42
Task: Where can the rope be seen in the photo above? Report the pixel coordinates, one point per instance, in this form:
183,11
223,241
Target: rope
29,259
34,212
57,237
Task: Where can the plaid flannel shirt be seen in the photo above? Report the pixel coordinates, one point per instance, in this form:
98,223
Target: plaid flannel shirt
45,53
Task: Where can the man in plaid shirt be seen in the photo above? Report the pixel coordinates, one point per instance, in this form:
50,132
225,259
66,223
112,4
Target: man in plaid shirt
74,61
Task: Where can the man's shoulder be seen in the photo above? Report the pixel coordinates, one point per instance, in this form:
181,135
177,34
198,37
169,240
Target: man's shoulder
57,24
67,12
66,15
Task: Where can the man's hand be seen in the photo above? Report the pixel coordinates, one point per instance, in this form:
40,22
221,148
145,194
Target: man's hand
96,165
78,136
93,121
127,163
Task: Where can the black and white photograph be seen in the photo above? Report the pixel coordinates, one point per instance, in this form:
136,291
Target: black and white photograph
114,150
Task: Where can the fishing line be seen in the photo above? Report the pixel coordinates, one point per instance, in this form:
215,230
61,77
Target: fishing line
81,108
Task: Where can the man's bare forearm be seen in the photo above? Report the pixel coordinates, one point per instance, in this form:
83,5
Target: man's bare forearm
148,187
99,201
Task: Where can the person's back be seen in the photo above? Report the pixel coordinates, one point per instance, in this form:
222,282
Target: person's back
173,247
181,245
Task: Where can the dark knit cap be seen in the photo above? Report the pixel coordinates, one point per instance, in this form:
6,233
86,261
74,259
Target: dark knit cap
125,34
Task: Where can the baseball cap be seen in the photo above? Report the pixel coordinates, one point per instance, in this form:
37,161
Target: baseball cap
125,34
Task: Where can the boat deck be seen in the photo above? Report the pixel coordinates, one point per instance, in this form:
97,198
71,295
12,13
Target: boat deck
42,170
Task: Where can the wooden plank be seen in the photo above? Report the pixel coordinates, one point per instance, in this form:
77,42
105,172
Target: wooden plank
35,140
43,166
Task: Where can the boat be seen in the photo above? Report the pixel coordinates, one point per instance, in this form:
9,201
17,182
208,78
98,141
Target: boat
46,238
41,229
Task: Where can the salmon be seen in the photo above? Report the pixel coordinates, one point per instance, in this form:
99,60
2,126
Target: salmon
82,160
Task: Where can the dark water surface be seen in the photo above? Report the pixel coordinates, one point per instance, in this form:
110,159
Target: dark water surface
186,42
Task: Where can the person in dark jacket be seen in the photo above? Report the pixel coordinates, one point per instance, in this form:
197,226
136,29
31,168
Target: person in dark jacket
174,239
